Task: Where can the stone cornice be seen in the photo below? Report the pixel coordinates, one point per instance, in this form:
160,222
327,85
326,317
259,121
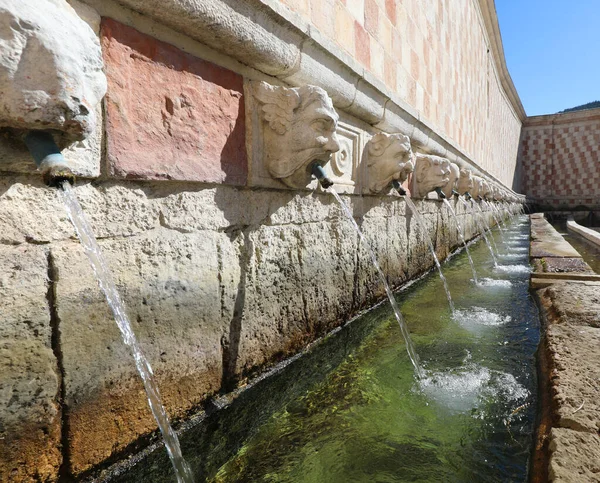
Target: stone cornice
563,118
268,37
490,18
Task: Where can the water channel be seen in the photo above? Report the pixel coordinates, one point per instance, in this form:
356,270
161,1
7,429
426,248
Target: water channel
471,416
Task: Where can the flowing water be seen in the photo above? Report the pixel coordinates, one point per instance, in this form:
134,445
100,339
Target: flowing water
469,418
412,353
107,285
423,227
486,226
462,237
482,229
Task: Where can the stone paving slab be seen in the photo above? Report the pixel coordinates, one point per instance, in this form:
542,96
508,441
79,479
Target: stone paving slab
552,248
567,449
569,361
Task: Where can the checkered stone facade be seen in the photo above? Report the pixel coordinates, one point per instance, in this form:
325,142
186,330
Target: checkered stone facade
436,56
560,156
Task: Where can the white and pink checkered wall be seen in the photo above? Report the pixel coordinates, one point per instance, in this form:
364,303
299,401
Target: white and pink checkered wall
560,156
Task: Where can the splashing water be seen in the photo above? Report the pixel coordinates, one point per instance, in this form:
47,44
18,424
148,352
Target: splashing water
107,285
480,316
514,268
462,237
410,348
468,387
492,282
421,224
482,228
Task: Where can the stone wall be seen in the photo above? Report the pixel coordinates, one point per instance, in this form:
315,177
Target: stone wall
560,159
444,59
223,272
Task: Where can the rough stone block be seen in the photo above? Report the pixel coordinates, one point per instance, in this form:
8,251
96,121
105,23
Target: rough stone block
30,418
574,457
35,213
179,291
171,115
310,266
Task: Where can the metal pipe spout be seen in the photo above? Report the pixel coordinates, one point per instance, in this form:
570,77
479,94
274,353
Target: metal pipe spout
318,172
398,187
440,193
48,158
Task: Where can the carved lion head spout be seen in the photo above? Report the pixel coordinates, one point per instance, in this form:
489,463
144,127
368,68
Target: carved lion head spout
465,182
484,189
448,188
431,172
476,191
389,158
300,126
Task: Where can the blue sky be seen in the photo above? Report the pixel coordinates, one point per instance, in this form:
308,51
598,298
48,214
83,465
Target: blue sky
552,50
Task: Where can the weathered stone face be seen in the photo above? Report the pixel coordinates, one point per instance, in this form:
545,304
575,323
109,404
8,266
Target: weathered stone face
299,129
50,68
452,179
465,182
430,172
389,157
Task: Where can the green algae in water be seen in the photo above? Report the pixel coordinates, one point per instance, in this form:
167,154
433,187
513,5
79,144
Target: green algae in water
470,419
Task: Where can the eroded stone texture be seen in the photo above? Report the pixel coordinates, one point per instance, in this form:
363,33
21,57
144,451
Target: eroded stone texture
29,381
171,115
179,298
50,78
388,158
575,456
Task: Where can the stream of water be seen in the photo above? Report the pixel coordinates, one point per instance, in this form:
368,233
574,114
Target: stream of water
482,229
412,353
107,285
423,226
462,237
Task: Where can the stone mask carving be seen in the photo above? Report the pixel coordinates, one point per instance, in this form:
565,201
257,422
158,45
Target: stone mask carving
50,68
448,188
465,182
299,129
484,189
389,157
476,187
431,172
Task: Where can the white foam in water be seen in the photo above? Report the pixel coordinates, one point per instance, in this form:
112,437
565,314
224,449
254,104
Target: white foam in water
477,316
510,256
514,268
492,282
470,386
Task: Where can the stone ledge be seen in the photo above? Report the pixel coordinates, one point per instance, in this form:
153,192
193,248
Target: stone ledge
590,235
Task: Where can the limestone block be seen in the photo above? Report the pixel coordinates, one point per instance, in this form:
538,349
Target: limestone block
574,382
35,213
187,124
50,78
179,292
292,128
574,456
30,418
238,29
309,266
369,103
